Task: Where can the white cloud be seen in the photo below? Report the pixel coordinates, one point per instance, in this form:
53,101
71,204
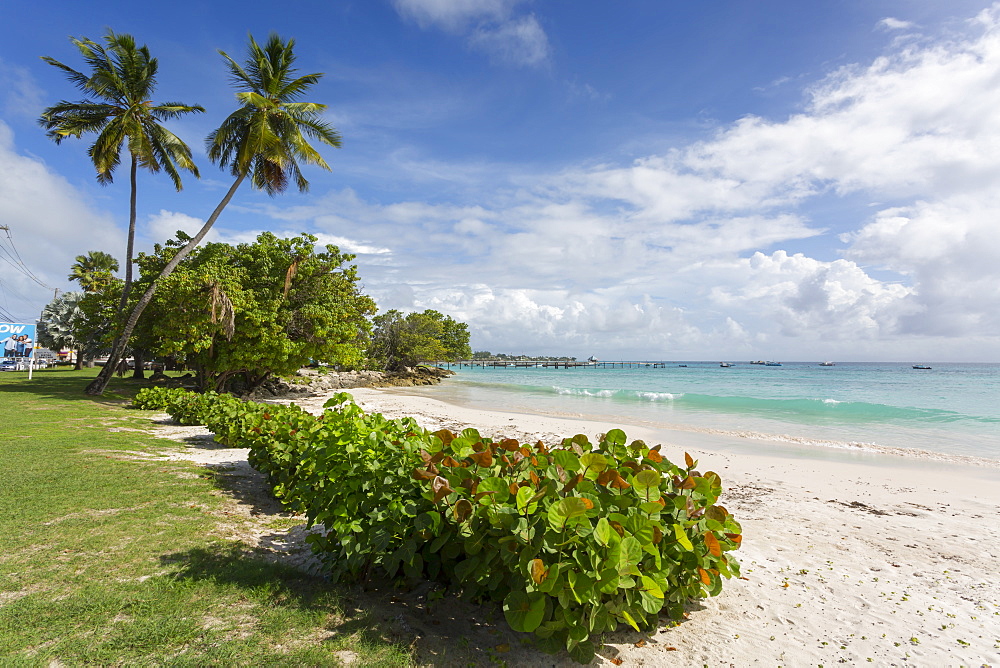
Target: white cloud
21,96
519,41
454,14
890,23
489,26
165,225
51,223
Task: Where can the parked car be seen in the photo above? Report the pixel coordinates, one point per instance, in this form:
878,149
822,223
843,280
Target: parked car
8,365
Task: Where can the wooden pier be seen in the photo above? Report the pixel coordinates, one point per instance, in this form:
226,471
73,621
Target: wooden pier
550,364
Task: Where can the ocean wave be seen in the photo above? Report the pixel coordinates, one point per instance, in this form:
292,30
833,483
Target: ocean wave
796,409
625,395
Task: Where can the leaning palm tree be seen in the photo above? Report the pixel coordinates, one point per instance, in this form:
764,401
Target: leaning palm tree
118,109
93,271
264,139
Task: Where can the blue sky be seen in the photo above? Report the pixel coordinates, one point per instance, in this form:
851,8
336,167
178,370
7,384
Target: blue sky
654,180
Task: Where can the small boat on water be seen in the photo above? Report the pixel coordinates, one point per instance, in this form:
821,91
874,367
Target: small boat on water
683,366
772,363
827,364
761,362
920,366
725,365
593,359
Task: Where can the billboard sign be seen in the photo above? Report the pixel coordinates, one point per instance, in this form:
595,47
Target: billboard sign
17,340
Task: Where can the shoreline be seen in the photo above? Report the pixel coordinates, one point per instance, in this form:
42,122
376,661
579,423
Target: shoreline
888,559
793,446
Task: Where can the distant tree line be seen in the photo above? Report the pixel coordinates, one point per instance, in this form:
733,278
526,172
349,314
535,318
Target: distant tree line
510,357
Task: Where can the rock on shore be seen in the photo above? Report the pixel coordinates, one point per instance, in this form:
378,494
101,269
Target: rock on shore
323,381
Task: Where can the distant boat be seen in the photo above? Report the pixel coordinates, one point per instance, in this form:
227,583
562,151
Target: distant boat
759,362
772,363
682,365
725,365
592,359
827,364
920,366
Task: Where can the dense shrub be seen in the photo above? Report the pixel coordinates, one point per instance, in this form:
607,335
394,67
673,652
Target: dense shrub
572,538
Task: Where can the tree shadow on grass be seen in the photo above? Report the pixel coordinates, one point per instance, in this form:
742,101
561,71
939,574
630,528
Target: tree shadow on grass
435,631
68,385
275,587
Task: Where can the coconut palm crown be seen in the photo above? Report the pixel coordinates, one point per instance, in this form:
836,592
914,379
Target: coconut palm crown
266,137
94,270
119,109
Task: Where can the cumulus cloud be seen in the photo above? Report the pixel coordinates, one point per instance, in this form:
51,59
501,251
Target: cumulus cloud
21,96
454,15
890,23
490,26
51,222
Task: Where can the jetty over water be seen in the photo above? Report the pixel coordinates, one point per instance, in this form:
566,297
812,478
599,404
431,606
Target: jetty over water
550,364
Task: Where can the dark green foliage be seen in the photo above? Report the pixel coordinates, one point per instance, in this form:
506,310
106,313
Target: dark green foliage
401,341
573,539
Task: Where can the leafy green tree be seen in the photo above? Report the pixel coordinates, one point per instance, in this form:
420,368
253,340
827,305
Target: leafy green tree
119,110
93,271
264,139
400,341
241,314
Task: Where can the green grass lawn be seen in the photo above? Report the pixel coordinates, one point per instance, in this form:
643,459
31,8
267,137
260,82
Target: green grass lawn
107,557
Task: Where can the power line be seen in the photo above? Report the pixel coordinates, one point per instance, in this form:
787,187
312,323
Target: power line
19,264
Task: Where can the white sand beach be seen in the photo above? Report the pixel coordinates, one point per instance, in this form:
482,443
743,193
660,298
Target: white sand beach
885,560
848,558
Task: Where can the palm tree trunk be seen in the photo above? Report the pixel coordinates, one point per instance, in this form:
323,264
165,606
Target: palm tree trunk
130,245
99,384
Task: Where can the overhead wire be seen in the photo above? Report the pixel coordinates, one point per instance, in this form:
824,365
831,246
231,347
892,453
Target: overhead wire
14,259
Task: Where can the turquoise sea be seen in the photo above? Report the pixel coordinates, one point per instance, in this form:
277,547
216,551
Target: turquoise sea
952,409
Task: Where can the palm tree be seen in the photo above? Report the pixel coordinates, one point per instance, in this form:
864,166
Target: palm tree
265,138
60,322
93,271
118,109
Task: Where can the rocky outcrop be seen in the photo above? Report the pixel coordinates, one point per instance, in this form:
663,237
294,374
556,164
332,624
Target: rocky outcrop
323,381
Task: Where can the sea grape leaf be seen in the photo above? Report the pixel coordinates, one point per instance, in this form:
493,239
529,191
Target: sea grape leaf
523,610
602,532
615,437
650,586
594,462
628,618
649,603
496,490
565,510
566,459
712,543
484,458
582,653
440,488
538,571
526,500
682,537
462,509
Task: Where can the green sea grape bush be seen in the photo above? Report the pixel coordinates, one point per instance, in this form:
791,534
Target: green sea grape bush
577,538
572,539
